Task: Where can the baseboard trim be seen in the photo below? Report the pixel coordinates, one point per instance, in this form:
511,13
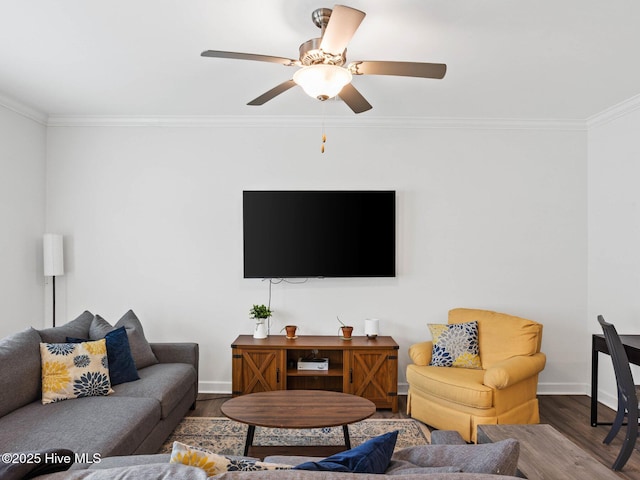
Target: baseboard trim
403,387
214,387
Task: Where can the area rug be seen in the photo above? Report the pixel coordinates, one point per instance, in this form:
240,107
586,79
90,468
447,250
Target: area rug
227,437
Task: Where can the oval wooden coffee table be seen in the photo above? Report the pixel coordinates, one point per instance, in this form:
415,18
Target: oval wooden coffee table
297,409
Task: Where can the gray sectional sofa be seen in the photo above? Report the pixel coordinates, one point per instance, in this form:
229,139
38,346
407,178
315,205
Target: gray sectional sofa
429,462
135,419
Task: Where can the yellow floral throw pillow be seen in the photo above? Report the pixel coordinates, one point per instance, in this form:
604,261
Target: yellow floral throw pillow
74,370
455,345
213,464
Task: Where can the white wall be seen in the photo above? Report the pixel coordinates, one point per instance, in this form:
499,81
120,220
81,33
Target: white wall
22,193
614,231
487,218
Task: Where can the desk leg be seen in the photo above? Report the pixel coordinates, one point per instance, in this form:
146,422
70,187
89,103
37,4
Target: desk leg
250,433
347,440
594,384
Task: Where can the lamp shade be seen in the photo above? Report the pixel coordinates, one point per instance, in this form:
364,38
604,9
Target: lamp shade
52,255
322,81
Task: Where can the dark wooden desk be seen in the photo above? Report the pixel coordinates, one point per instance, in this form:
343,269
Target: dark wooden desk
598,344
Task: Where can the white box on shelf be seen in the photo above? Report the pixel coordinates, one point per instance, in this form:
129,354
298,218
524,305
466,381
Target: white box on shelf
321,364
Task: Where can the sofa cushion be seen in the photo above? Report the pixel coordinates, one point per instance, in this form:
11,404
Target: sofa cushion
20,371
77,328
74,370
306,475
373,456
167,471
104,425
462,386
407,468
501,336
455,345
491,458
130,460
213,463
122,368
167,383
140,349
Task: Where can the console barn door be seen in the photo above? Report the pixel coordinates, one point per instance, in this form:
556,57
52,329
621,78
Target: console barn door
257,371
373,374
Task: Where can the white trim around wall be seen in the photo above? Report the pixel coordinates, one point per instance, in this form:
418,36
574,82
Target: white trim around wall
22,109
616,111
52,120
403,387
312,122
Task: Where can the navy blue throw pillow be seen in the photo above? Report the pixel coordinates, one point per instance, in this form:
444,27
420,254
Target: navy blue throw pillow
373,456
122,368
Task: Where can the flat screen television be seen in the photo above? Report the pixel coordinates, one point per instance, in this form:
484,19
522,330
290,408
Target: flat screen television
329,233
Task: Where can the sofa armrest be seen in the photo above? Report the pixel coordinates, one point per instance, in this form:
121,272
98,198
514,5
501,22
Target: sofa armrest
420,353
177,353
514,370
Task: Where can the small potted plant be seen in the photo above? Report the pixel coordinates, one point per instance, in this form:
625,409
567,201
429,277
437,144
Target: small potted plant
347,330
260,313
291,331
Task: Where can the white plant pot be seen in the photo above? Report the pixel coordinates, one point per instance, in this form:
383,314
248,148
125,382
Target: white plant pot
261,329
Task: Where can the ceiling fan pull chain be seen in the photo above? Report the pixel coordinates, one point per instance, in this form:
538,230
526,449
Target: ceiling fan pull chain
324,137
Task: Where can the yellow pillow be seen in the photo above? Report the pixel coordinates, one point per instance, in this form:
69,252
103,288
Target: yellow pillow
455,345
214,464
74,370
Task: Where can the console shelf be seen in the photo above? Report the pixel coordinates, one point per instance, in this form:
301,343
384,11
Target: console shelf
362,366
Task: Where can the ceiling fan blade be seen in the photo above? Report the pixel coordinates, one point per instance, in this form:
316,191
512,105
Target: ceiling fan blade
249,56
354,99
343,23
403,69
274,92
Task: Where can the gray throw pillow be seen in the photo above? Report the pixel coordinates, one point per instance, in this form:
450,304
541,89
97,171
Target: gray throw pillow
77,328
141,351
494,458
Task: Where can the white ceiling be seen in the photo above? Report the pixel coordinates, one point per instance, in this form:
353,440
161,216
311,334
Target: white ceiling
507,59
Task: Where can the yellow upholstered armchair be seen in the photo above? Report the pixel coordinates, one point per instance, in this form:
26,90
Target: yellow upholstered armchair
502,391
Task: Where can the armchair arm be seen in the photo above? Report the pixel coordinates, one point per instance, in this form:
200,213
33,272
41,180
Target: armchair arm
420,353
514,370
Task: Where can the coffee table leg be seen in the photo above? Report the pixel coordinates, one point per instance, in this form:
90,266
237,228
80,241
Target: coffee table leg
250,433
347,440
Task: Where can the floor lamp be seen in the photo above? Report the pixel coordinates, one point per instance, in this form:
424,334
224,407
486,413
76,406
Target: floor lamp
53,262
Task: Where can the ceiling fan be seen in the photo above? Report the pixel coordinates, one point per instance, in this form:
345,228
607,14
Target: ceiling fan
323,74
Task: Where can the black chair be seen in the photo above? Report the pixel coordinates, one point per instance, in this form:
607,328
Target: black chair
627,397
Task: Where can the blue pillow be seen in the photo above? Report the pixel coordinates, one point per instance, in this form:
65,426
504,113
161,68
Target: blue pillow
373,456
122,368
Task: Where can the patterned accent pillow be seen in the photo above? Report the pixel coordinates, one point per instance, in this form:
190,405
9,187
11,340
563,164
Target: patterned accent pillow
455,345
215,464
122,368
74,370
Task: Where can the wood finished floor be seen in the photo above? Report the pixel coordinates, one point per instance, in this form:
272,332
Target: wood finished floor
569,414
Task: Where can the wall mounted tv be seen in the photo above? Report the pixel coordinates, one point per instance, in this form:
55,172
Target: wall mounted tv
325,233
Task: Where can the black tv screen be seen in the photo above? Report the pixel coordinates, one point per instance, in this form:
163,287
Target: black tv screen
319,234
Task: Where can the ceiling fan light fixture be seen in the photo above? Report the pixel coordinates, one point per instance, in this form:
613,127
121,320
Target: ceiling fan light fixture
322,81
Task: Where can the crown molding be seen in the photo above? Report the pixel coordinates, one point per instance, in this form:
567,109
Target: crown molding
22,109
261,121
614,112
